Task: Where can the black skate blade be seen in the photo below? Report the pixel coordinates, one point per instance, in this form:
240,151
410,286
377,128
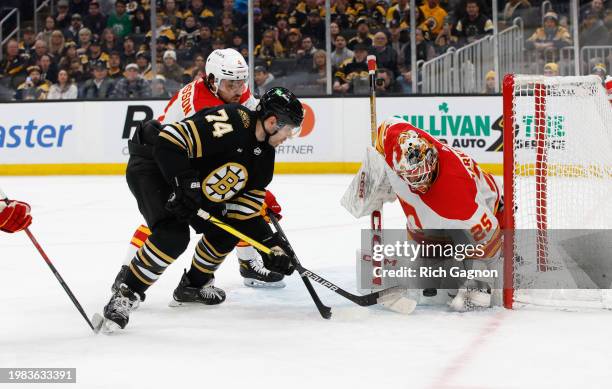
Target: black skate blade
97,321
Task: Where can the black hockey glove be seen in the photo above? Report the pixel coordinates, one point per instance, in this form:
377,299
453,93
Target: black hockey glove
218,210
186,198
279,260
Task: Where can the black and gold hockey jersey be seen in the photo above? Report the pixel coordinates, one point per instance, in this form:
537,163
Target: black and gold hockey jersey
220,144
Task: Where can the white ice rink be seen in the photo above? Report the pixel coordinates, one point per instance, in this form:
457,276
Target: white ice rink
263,338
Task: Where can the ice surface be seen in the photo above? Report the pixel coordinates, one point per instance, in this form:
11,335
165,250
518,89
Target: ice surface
263,338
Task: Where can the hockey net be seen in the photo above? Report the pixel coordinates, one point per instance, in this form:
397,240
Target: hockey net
557,192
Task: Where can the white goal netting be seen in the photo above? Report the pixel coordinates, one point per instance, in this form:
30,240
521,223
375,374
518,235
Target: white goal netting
561,177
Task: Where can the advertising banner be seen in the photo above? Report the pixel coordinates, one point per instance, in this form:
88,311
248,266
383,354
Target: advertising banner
34,136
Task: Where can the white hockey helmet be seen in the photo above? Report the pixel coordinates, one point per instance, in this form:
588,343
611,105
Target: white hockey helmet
226,64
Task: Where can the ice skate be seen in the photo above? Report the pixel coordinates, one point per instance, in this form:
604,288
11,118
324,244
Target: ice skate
117,311
120,279
207,294
257,276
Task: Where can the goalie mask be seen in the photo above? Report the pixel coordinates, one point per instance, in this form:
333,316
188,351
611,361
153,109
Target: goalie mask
415,160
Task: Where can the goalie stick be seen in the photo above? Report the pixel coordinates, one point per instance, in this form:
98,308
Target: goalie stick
74,300
376,215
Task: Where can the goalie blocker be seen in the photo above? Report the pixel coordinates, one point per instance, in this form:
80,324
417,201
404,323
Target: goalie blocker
445,196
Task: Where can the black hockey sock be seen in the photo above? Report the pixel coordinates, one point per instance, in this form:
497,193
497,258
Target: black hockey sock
135,284
206,260
197,279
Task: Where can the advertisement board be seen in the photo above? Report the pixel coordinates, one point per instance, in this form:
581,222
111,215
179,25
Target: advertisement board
88,137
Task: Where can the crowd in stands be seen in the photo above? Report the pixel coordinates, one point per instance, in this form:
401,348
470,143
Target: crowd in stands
99,49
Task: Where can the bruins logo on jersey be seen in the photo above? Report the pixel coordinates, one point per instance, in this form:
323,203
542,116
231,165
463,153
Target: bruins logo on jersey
224,182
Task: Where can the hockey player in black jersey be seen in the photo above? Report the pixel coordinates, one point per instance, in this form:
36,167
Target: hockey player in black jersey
221,160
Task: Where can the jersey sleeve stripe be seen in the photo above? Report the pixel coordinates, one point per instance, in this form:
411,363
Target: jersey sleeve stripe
241,216
259,199
252,204
180,127
258,192
196,137
169,137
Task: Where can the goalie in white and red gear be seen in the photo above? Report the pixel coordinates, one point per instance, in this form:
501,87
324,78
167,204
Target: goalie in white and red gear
225,82
442,188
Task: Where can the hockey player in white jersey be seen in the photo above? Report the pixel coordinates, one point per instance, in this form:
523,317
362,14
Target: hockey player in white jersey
441,188
225,82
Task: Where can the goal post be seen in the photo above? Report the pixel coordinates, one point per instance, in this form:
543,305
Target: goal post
557,190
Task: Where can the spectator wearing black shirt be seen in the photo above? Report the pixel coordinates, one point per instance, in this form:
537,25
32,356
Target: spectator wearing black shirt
385,83
79,7
386,56
314,27
305,55
354,71
115,71
204,41
48,68
474,25
300,13
72,32
200,10
62,16
95,54
363,34
188,36
95,19
594,31
128,54
294,43
41,48
26,46
269,48
258,26
424,52
141,23
109,41
13,65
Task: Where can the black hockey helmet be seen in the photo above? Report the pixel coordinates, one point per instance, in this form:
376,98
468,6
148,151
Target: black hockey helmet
283,104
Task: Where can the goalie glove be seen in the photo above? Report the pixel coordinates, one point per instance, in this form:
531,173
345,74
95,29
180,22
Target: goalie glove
14,216
186,198
280,259
370,187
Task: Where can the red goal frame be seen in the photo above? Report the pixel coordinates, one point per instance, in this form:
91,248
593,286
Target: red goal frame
541,176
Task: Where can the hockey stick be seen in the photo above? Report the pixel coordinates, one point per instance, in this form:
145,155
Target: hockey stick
390,298
54,270
324,310
376,215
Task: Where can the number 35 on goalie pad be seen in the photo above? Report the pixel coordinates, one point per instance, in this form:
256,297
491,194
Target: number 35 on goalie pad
370,188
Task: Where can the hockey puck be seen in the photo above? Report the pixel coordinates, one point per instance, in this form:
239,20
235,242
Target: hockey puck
430,292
